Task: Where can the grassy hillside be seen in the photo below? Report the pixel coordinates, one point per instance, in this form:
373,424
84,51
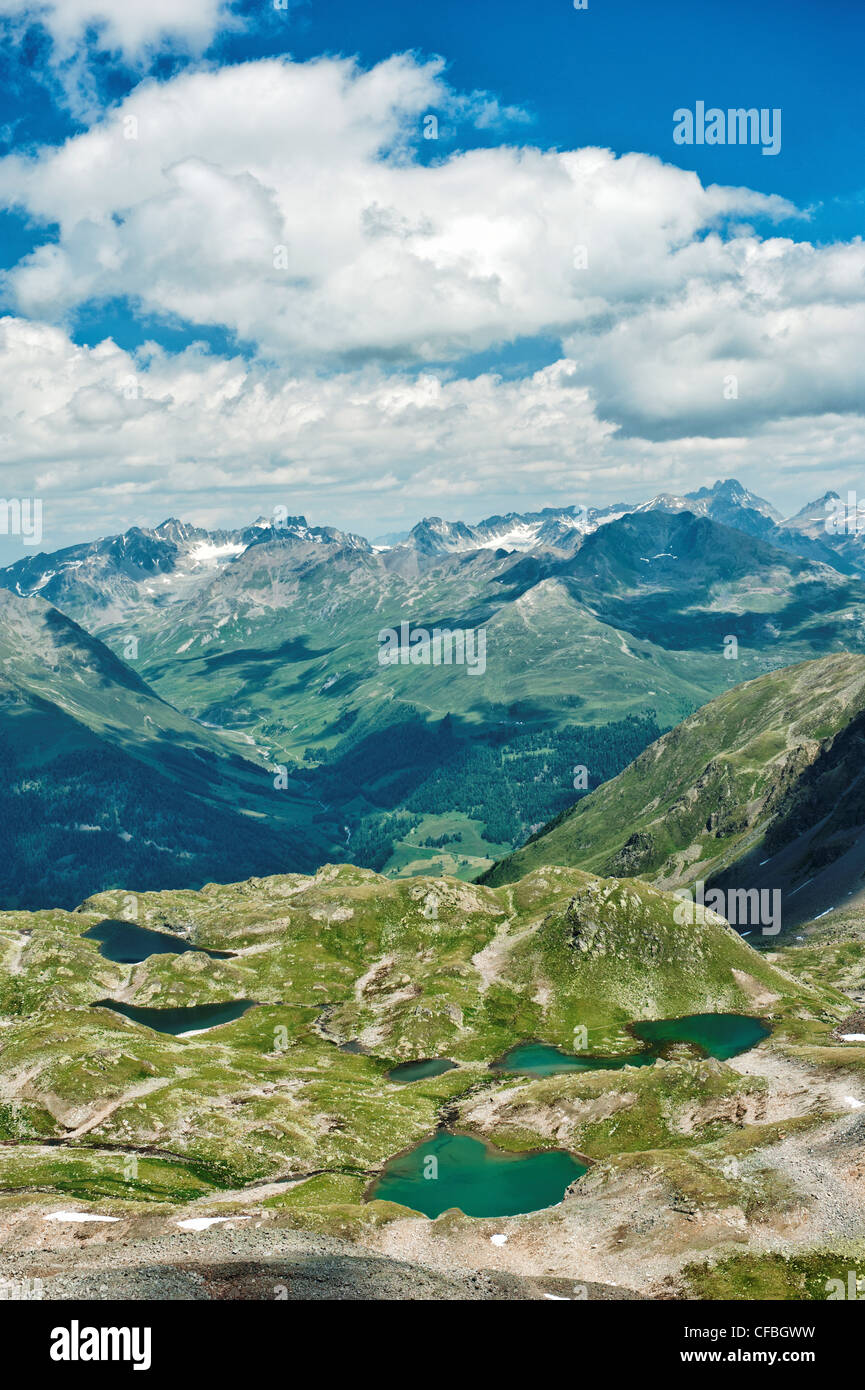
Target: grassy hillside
763,778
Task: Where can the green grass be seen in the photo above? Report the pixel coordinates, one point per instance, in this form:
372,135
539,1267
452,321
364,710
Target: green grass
806,1277
403,965
719,763
91,1175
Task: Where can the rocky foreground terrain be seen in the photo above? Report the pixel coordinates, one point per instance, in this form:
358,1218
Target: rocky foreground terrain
237,1162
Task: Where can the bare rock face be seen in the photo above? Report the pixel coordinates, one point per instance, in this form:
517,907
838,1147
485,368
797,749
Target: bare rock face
586,932
633,856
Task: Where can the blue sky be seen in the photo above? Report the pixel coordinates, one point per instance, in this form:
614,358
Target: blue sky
553,78
610,75
613,74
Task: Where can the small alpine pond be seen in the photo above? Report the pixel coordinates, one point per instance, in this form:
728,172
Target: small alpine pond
455,1170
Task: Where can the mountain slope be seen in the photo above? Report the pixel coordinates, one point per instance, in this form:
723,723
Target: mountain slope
104,781
760,788
689,582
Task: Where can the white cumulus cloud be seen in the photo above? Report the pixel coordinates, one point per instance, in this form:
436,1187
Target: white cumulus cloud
125,26
289,204
284,201
108,439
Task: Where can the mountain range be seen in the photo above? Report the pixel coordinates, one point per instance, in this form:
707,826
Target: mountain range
258,649
106,578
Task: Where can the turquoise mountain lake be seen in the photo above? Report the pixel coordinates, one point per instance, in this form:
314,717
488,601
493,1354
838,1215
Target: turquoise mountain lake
128,944
179,1021
717,1035
419,1071
475,1177
543,1059
720,1035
